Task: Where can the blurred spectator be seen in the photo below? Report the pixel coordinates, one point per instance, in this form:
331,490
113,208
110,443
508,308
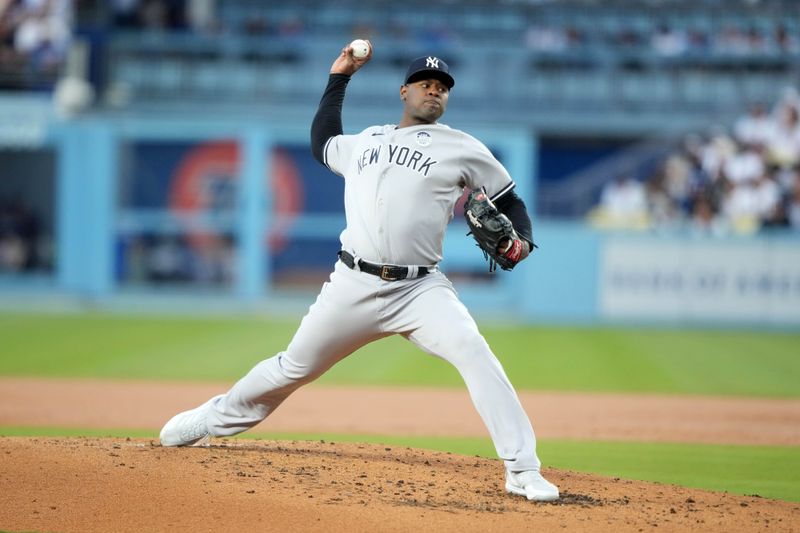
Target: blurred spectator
783,145
13,253
154,14
623,205
545,38
197,15
670,38
704,220
757,43
576,37
715,154
173,260
628,37
7,26
125,13
168,260
787,178
34,38
790,96
214,262
202,15
768,199
258,24
786,42
661,206
22,244
43,31
691,154
745,165
697,41
740,207
721,183
793,209
755,127
732,40
679,179
668,42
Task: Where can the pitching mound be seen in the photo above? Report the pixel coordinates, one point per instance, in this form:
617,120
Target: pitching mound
86,485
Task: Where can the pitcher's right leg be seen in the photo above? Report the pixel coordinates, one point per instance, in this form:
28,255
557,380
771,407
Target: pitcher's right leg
341,320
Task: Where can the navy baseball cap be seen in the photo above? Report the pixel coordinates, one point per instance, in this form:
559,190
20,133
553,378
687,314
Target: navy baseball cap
430,67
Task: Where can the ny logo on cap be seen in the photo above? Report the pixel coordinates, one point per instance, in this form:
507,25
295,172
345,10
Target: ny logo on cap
432,62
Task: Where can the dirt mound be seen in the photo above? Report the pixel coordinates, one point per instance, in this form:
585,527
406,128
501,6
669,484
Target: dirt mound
86,485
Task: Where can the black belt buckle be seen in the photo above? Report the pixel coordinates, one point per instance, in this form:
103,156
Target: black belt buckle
386,274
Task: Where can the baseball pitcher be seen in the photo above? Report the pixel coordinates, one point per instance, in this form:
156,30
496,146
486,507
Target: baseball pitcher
401,184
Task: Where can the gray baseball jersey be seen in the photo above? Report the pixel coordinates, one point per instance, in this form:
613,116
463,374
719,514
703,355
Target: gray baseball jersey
400,189
401,186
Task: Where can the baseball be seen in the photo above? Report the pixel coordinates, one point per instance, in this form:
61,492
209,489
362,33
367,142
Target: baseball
360,48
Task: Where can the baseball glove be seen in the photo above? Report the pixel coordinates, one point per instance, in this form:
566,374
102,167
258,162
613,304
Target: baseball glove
493,232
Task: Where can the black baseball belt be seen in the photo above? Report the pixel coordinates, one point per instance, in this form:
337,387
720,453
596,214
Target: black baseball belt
385,272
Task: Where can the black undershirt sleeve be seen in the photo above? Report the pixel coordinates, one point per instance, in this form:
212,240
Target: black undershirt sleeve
327,122
513,207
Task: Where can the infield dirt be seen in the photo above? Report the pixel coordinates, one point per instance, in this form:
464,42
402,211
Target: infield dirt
121,485
101,485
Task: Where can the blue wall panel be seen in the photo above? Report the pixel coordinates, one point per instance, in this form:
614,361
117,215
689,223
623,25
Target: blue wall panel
570,278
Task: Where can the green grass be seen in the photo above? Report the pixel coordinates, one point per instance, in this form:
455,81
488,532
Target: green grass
552,358
769,471
721,362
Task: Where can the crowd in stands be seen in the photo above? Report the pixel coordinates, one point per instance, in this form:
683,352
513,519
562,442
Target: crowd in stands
550,30
194,15
725,182
34,38
204,17
666,40
35,35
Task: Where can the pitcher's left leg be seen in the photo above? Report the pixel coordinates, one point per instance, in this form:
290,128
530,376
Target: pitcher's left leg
441,325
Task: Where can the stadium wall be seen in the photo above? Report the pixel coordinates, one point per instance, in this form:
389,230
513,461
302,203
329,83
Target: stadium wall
123,183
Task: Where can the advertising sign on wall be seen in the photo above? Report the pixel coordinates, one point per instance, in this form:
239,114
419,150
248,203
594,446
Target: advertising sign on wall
737,280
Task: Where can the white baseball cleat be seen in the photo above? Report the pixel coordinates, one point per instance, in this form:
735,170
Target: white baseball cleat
188,428
532,485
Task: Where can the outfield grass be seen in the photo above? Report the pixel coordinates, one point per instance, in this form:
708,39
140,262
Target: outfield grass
718,362
768,471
